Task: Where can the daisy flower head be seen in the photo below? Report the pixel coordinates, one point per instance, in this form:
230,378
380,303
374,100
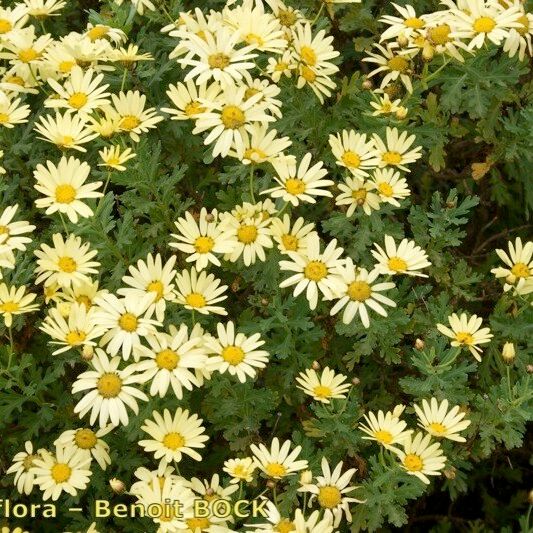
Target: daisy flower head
520,39
77,329
439,422
240,469
408,25
314,523
250,237
276,521
135,118
315,271
89,442
110,390
390,186
102,31
125,321
11,231
22,467
12,19
67,470
323,387
15,301
216,55
154,278
361,292
174,436
68,131
291,239
114,157
82,92
236,353
199,291
283,65
354,152
299,184
64,188
357,193
518,263
386,429
420,457
319,81
465,331
203,238
395,152
384,106
313,51
171,360
330,491
191,100
84,293
395,62
129,56
11,112
231,113
68,263
44,8
288,16
405,258
278,461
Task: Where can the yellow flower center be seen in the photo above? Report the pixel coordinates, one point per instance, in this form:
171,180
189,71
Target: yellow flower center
204,245
385,189
5,26
392,158
195,299
85,300
520,270
413,462
197,523
308,55
464,338
78,100
281,66
439,34
66,66
484,24
9,307
65,194
220,61
383,436
4,230
398,63
315,271
329,496
290,242
359,291
397,264
4,118
60,472
437,428
286,17
247,233
17,80
240,471
414,23
27,463
194,108
75,337
307,74
351,159
65,140
251,91
97,32
232,117
129,122
253,38
321,391
157,287
128,322
525,25
295,186
173,441
28,55
284,526
85,438
67,264
359,195
275,470
167,359
112,161
255,154
233,355
109,385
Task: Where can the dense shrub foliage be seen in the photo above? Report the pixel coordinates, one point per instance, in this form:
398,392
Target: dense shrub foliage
267,251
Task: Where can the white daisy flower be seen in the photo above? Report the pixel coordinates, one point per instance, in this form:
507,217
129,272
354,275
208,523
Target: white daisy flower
354,152
390,186
22,467
406,258
278,461
395,152
291,239
439,422
357,193
324,387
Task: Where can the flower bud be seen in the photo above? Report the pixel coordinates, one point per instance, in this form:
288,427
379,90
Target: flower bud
529,369
264,301
87,352
508,353
209,217
270,483
306,477
428,52
401,113
420,344
117,486
449,473
402,40
367,84
530,497
356,381
315,365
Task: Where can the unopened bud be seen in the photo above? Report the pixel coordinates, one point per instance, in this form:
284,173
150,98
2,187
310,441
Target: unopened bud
449,473
270,483
428,52
529,369
420,344
402,40
306,477
367,84
401,113
530,497
87,352
64,309
117,486
264,301
209,217
356,381
508,353
315,365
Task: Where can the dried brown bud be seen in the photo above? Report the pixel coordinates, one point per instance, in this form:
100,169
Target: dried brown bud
264,301
530,497
315,365
270,483
420,344
209,217
449,473
367,84
356,381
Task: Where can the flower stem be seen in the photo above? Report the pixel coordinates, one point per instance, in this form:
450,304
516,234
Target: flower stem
251,179
64,223
508,372
318,14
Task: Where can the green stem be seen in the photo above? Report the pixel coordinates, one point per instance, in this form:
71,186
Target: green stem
275,495
123,79
527,517
280,212
64,223
508,372
193,318
12,350
101,201
251,180
433,74
318,14
240,490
